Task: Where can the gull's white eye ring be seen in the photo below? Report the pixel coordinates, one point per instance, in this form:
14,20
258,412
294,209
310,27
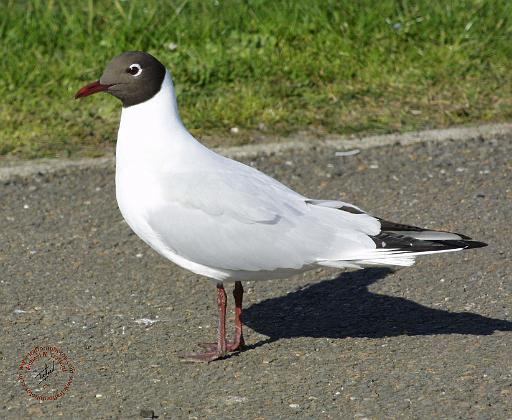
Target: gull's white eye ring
134,70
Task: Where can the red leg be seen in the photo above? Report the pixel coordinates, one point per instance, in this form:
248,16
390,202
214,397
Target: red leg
219,350
222,300
238,342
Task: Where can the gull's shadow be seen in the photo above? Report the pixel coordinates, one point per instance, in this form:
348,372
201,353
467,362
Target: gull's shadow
344,307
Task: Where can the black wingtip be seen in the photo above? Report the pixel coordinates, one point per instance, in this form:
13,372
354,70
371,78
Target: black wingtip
408,244
474,244
461,244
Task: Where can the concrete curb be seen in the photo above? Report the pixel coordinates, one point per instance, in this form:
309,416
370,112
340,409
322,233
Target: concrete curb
302,142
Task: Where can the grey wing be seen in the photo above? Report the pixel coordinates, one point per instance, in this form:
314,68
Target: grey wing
249,221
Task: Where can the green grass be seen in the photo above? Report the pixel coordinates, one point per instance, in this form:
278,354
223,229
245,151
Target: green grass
265,66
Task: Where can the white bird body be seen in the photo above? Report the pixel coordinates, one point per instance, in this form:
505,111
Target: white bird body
222,219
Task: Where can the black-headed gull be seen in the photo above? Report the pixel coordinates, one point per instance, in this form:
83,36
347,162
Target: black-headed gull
227,221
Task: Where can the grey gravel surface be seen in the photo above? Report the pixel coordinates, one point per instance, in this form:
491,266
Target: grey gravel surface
430,341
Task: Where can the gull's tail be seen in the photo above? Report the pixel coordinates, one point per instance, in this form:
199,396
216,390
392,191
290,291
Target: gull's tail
399,245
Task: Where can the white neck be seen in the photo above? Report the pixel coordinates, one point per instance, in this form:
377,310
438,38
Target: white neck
151,134
160,109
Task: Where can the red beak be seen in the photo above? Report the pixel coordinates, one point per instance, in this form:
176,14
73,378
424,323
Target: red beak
91,88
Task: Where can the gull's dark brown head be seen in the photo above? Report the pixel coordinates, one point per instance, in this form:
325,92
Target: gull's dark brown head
133,77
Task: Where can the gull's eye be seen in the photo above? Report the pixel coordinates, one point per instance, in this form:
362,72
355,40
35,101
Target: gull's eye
134,69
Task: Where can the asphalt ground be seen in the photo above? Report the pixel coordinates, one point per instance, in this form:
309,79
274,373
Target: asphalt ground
430,341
